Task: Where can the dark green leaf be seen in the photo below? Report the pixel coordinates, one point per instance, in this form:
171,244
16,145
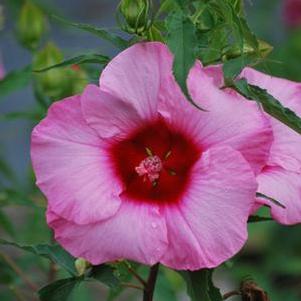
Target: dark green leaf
30,115
200,286
15,80
270,104
100,32
59,290
105,274
15,197
232,68
122,273
6,171
81,59
258,219
52,252
182,42
6,224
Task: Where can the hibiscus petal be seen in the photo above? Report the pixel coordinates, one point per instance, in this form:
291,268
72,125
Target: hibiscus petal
284,186
228,121
108,115
210,224
286,148
71,166
136,232
134,76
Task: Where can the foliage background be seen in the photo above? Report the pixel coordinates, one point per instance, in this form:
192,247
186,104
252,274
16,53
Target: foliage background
272,256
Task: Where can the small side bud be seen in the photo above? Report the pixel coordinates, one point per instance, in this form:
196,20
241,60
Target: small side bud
81,266
31,25
135,13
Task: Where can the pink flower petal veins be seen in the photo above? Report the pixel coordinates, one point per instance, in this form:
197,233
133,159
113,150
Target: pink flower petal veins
71,167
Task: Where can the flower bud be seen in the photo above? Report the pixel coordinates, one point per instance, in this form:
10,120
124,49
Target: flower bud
135,13
263,48
54,81
81,266
31,25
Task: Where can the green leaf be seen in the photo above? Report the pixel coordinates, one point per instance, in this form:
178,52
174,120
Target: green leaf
100,32
200,286
258,219
30,115
16,197
6,171
59,290
6,224
123,274
53,252
15,80
105,274
81,59
232,68
270,104
182,42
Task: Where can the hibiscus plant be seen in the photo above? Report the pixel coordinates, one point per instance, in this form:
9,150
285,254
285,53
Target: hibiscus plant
158,157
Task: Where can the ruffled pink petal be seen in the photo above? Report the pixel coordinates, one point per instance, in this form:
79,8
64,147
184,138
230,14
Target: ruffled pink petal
108,115
135,76
136,232
228,121
284,186
210,224
286,148
71,166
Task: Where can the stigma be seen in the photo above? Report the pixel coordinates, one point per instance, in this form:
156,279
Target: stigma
150,168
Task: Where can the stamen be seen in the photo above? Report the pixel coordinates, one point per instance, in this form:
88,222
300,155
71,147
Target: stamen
167,155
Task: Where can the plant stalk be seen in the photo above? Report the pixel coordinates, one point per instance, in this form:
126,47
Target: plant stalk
150,284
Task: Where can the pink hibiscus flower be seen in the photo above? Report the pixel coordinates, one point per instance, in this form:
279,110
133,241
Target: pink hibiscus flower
132,170
281,177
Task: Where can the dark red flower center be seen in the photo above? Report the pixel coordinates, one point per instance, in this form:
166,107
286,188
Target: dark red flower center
154,163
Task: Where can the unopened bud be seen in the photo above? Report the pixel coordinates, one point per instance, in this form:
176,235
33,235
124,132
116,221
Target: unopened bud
53,81
31,25
264,50
135,13
81,266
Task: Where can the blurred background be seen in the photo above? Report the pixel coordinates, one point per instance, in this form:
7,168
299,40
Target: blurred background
272,256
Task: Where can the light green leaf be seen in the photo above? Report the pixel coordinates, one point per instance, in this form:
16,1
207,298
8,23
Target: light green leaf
15,80
59,290
100,32
81,59
270,104
53,252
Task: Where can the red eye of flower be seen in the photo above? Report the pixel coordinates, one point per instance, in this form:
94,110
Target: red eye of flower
154,162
